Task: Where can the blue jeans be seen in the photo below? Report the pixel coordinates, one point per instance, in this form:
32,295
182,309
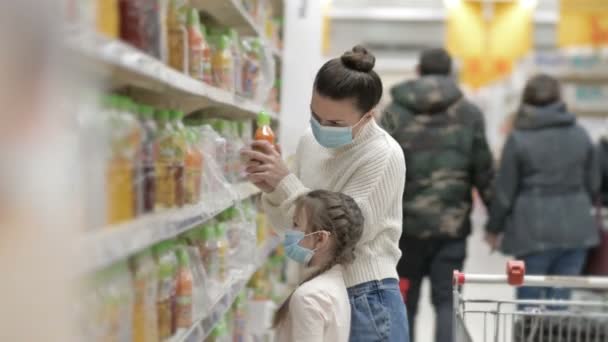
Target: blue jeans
378,313
562,262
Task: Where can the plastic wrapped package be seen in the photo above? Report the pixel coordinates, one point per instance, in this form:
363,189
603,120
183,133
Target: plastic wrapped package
167,285
116,296
184,289
213,146
145,281
125,141
201,300
251,67
268,74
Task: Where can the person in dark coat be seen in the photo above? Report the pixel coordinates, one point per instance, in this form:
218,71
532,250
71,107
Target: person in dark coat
548,178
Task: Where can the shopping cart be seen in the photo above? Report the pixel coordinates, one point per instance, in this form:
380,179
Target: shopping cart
529,320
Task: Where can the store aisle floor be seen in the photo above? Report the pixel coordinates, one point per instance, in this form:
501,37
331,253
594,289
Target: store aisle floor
479,260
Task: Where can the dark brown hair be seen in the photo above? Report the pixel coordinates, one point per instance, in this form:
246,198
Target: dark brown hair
351,77
338,214
436,61
541,90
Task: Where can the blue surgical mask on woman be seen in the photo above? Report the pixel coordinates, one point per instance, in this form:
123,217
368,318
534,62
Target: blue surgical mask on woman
293,250
332,137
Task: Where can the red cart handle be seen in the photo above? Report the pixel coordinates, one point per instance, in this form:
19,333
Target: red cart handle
516,270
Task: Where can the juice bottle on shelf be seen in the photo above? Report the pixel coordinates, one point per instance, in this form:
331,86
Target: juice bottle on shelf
145,281
131,23
195,45
210,253
148,154
177,35
237,58
108,18
250,67
124,141
184,291
178,166
224,148
206,55
167,284
264,131
165,156
222,250
194,168
239,324
223,64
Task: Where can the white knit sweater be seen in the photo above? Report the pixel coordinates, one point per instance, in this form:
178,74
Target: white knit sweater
371,169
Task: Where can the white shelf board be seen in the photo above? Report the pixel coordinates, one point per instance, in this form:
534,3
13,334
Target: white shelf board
111,244
126,65
203,327
231,13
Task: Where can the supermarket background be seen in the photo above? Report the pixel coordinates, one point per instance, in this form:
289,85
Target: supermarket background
124,211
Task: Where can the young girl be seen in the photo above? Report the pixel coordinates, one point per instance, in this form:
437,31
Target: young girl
327,227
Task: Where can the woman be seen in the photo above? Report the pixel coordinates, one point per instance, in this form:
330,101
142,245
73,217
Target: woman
544,191
346,151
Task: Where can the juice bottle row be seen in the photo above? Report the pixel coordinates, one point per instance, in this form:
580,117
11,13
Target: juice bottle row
155,162
265,16
250,317
163,291
172,31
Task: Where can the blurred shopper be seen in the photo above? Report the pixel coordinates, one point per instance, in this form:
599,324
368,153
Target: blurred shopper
443,138
544,189
346,151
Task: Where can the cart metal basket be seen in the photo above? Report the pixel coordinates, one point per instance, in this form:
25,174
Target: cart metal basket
491,320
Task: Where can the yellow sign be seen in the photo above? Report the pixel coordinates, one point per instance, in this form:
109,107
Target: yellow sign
583,23
488,45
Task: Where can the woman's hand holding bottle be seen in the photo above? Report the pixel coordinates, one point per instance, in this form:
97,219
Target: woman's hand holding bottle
265,168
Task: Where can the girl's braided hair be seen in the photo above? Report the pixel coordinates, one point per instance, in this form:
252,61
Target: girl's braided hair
338,214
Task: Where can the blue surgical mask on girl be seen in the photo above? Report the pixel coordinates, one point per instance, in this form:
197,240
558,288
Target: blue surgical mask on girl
293,250
332,137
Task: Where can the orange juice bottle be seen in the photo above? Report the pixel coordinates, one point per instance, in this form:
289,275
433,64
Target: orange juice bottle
179,160
124,141
195,45
194,169
108,18
177,35
264,131
165,182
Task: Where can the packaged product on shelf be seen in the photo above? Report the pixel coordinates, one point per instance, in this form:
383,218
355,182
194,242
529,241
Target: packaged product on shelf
223,64
222,250
178,166
195,45
250,67
146,180
165,156
145,281
193,242
274,101
227,144
220,333
239,318
238,171
206,56
177,35
210,250
140,25
108,18
167,285
116,295
194,168
213,146
125,140
262,227
237,58
184,290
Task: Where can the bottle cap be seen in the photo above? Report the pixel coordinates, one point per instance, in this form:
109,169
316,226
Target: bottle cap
264,119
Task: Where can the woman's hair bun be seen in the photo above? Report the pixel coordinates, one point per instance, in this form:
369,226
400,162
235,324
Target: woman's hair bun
359,59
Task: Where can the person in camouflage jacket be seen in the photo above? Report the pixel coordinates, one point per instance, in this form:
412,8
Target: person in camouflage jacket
447,154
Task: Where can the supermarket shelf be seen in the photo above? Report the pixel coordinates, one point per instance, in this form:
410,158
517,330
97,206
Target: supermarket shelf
203,327
231,13
584,78
111,244
125,65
